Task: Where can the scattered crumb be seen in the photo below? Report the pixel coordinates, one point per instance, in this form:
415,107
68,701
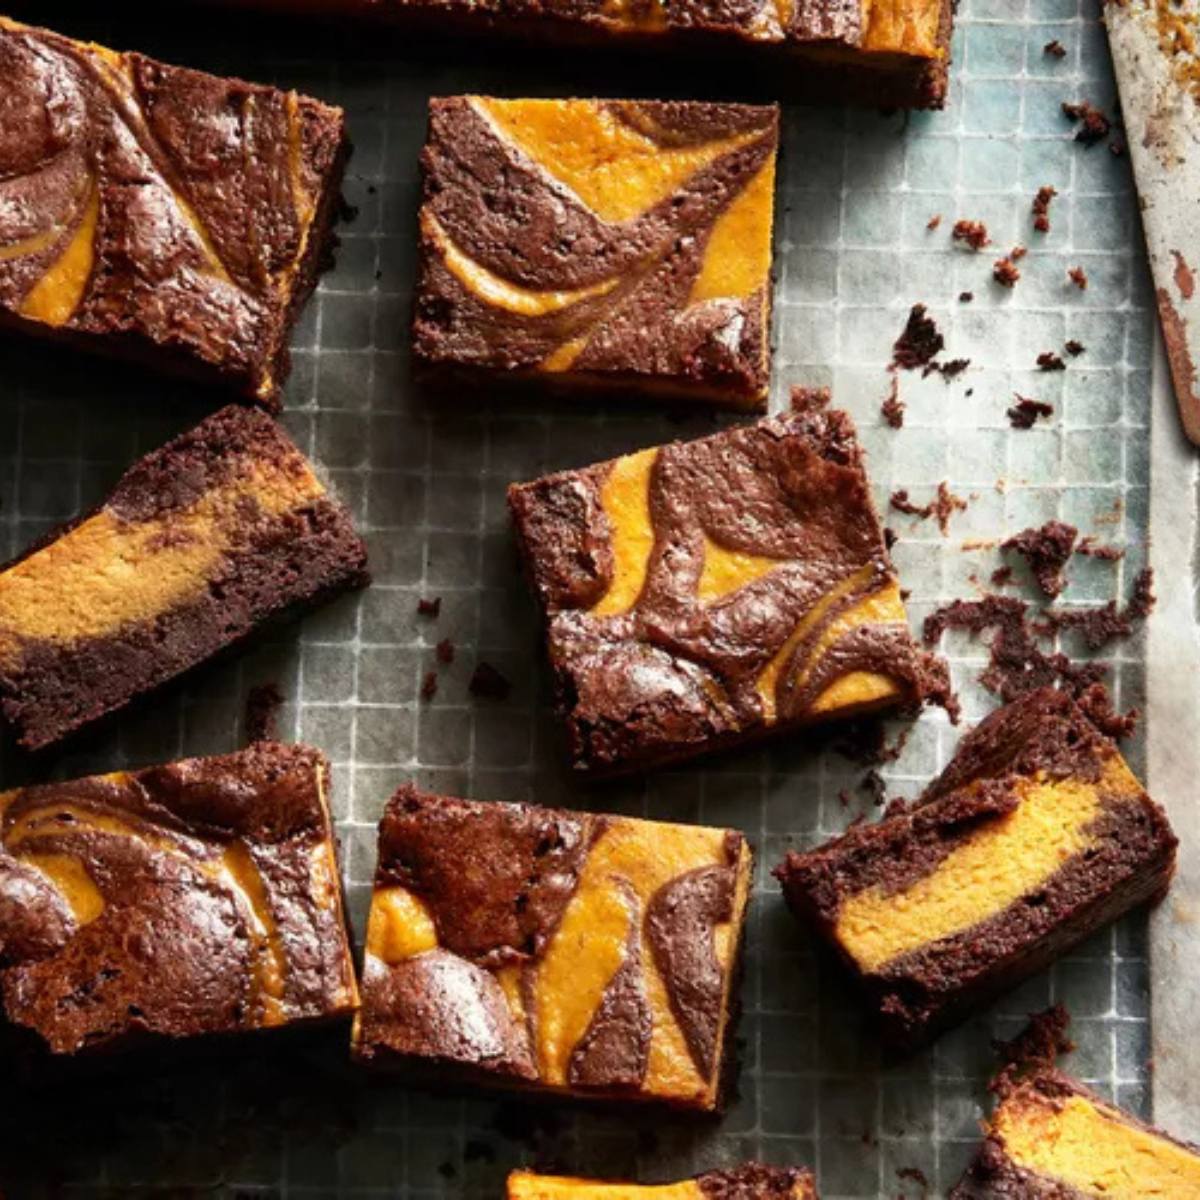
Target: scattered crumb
1074,348
1026,411
1094,125
488,683
901,503
1002,576
429,685
1017,253
965,297
1088,546
1041,208
1078,276
1055,49
429,608
262,712
445,651
1049,361
934,221
1104,624
947,370
892,408
943,506
1047,551
1006,272
914,1175
872,783
920,341
974,233
889,537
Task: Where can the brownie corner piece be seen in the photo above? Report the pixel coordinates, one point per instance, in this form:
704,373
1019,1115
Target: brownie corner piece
599,244
584,955
708,593
748,1181
201,544
196,898
1035,835
159,213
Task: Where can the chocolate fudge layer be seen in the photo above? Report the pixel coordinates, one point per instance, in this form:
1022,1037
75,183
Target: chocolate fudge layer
200,544
750,1181
881,53
1051,1138
1034,836
599,244
196,898
558,951
704,593
159,213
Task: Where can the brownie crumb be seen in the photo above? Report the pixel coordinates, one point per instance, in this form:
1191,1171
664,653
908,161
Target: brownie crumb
974,233
945,506
429,608
1078,276
1026,411
872,783
1047,551
1002,576
901,503
1074,348
947,370
889,536
1041,208
1017,253
1094,126
892,408
1102,625
1055,49
965,297
1049,361
263,703
914,1175
919,343
488,683
1088,546
1006,272
429,685
445,651
934,221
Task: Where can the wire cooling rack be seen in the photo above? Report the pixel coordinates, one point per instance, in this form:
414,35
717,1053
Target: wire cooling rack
427,482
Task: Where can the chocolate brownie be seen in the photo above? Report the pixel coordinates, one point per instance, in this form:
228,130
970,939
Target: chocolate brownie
588,243
158,213
706,593
201,897
553,950
1051,1138
200,544
750,1181
1034,836
883,54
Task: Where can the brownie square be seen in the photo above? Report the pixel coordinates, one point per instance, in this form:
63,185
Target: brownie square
196,898
1034,836
589,243
201,544
556,951
161,214
706,593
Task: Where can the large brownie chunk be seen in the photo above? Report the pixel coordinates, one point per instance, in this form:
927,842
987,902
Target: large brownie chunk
589,243
1036,835
201,897
558,951
200,544
159,213
705,593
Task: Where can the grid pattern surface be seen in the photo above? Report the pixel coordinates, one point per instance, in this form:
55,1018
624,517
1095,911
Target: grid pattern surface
426,481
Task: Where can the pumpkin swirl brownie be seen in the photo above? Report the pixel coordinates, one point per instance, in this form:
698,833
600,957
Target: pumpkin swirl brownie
201,897
551,950
200,544
708,593
588,243
1051,1138
158,213
1035,835
750,1181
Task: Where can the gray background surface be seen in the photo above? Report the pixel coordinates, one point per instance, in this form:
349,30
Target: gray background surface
427,481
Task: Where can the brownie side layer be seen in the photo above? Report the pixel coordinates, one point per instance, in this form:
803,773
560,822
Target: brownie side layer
212,902
279,565
1129,859
458,983
630,318
673,676
166,216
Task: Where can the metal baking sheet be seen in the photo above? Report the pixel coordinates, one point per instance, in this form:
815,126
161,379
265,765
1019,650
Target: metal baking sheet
427,483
